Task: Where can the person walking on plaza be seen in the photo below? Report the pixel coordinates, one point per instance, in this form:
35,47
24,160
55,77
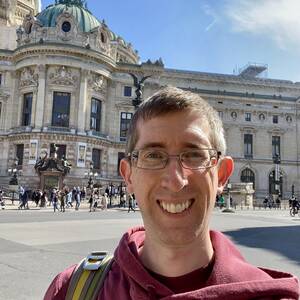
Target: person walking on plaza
221,201
77,199
104,201
2,201
91,201
175,164
55,200
130,203
44,199
62,199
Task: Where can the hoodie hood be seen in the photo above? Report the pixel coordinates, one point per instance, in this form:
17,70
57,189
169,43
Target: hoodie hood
231,278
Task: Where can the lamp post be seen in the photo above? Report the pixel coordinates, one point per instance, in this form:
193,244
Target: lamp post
13,182
91,175
111,193
277,161
228,208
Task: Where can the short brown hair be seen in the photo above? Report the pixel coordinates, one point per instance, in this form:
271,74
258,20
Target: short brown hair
170,100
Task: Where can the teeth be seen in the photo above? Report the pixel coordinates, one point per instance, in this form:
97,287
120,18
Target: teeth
175,208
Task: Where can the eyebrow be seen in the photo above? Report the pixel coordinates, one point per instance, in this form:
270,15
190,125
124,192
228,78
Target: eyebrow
185,145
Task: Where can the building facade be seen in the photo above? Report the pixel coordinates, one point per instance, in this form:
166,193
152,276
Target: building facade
67,82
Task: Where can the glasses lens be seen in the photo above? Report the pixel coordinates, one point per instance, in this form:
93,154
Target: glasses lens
200,158
152,159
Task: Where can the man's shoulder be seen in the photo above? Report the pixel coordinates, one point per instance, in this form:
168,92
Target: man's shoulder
59,286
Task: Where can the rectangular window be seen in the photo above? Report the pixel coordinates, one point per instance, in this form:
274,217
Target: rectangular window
27,106
220,113
96,158
95,122
275,119
248,117
61,109
61,150
20,153
121,155
275,146
248,145
1,79
127,91
124,125
0,109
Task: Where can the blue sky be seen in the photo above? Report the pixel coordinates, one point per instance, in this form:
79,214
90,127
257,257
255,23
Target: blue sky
218,36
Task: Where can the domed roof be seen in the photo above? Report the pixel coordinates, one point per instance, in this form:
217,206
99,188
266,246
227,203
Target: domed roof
85,20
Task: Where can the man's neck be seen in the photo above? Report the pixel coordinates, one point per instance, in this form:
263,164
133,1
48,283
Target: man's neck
173,261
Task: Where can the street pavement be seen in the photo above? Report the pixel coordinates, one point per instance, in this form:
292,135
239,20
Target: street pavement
36,244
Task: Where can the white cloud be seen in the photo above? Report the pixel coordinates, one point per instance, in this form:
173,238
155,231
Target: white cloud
275,19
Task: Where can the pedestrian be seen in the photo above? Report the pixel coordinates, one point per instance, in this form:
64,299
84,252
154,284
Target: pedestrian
69,199
62,199
104,201
77,199
44,199
175,164
2,201
91,201
55,200
130,203
221,201
95,204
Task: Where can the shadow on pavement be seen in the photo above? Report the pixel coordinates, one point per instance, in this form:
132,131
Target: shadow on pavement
283,240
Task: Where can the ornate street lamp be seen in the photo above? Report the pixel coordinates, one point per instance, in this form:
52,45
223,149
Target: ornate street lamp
91,175
277,162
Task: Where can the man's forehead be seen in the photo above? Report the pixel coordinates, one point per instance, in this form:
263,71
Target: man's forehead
194,127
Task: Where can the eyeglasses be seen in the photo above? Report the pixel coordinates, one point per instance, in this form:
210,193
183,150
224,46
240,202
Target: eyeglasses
153,159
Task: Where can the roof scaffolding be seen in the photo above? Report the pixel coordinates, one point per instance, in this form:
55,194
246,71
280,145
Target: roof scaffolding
252,70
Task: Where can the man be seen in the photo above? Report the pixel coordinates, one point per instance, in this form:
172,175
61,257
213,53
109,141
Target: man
130,203
175,165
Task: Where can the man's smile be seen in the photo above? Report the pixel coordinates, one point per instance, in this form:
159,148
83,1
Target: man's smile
175,208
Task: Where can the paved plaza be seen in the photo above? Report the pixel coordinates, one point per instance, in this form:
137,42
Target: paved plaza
36,244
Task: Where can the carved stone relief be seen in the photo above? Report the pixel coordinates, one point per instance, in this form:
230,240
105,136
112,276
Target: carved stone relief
63,76
28,77
97,83
3,96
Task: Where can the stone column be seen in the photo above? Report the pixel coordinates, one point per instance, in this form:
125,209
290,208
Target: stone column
40,100
82,102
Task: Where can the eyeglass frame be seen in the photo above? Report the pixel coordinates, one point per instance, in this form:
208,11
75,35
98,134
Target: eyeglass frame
135,155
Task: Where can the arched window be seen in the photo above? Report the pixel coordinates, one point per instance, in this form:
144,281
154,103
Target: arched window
103,38
248,176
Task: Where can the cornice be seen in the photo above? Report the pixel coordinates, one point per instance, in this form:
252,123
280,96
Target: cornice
231,79
60,137
62,50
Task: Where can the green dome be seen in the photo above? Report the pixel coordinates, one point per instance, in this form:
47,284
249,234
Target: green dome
85,20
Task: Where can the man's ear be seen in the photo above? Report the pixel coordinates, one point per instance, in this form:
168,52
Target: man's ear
225,170
125,171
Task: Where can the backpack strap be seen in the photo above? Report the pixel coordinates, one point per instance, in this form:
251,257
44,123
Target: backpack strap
88,276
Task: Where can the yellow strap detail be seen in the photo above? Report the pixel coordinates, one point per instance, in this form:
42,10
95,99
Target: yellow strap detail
81,282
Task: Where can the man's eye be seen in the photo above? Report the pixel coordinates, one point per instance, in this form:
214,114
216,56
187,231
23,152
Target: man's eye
199,155
154,155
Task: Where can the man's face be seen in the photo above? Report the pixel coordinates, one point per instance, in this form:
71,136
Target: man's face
157,190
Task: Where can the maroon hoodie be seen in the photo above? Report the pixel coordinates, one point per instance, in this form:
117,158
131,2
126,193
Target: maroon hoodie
232,278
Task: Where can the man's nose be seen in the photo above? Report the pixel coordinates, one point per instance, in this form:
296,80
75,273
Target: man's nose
175,177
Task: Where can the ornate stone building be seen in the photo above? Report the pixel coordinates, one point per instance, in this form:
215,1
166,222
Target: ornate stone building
67,82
